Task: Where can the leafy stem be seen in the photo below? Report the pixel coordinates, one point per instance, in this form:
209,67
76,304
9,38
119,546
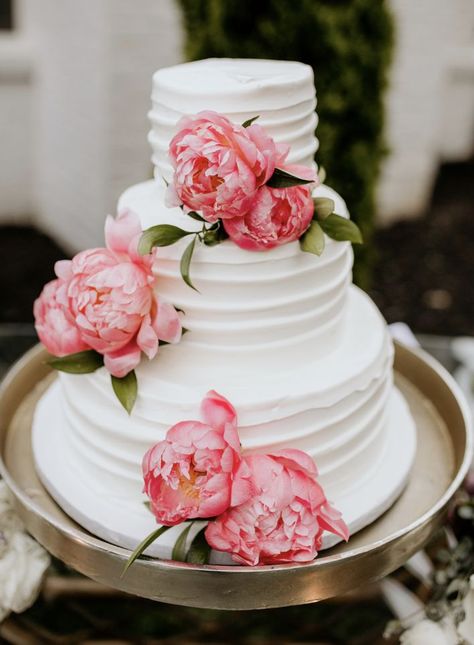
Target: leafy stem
326,221
167,234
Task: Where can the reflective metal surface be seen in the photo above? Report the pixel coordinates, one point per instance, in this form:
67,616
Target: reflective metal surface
443,457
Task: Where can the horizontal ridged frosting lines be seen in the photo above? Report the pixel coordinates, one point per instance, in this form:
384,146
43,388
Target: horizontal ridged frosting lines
334,408
281,93
252,306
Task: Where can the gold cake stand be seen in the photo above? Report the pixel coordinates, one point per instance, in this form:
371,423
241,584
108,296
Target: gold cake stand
443,458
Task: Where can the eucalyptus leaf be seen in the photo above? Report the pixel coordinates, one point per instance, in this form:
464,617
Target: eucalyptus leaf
313,240
126,389
246,124
199,551
341,229
283,179
186,262
143,546
79,363
160,235
195,216
179,549
323,207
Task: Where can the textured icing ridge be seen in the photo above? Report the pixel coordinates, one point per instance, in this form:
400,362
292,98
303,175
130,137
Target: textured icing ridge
281,92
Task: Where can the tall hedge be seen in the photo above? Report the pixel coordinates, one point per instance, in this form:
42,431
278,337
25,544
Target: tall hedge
348,43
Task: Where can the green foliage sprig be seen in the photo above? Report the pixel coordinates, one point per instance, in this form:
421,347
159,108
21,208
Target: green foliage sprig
326,221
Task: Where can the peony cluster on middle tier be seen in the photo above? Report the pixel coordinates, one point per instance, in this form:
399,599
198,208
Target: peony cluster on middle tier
223,170
263,508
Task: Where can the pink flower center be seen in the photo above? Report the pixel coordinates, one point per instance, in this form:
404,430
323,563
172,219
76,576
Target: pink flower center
188,483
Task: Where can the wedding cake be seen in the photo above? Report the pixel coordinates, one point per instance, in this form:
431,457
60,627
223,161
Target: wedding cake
303,355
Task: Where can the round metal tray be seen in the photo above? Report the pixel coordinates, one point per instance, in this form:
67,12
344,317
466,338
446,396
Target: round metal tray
443,458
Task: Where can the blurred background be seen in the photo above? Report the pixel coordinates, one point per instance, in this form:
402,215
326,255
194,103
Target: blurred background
395,89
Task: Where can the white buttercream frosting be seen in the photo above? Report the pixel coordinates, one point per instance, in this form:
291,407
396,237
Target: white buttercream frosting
280,93
303,355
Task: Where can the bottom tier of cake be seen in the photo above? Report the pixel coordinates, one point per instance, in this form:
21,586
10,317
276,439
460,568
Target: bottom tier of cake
342,409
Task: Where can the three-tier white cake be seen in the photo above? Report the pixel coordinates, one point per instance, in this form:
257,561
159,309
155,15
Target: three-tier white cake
304,356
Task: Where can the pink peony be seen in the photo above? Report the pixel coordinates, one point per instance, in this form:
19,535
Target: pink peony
54,321
110,299
277,216
282,515
220,165
190,473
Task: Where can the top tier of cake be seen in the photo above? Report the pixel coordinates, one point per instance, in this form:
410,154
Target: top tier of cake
281,93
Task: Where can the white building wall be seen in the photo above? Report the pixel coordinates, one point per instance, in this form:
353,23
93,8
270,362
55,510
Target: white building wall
16,112
93,63
430,115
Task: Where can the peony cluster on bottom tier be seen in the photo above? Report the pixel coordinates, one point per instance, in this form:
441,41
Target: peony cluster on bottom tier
263,508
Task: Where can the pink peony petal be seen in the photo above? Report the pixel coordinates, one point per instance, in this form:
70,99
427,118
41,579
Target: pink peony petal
63,269
296,459
120,230
304,172
217,411
331,520
147,339
166,322
123,361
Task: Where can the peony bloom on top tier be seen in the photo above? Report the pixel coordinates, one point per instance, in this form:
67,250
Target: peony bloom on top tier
277,216
103,300
225,171
220,165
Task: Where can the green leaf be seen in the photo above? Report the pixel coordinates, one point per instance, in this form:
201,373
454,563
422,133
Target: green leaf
199,551
147,505
143,546
341,229
185,263
126,389
160,235
80,363
322,174
313,240
283,179
323,207
196,216
214,235
179,549
246,124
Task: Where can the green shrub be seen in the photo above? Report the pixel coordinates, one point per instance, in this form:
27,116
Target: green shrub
348,43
